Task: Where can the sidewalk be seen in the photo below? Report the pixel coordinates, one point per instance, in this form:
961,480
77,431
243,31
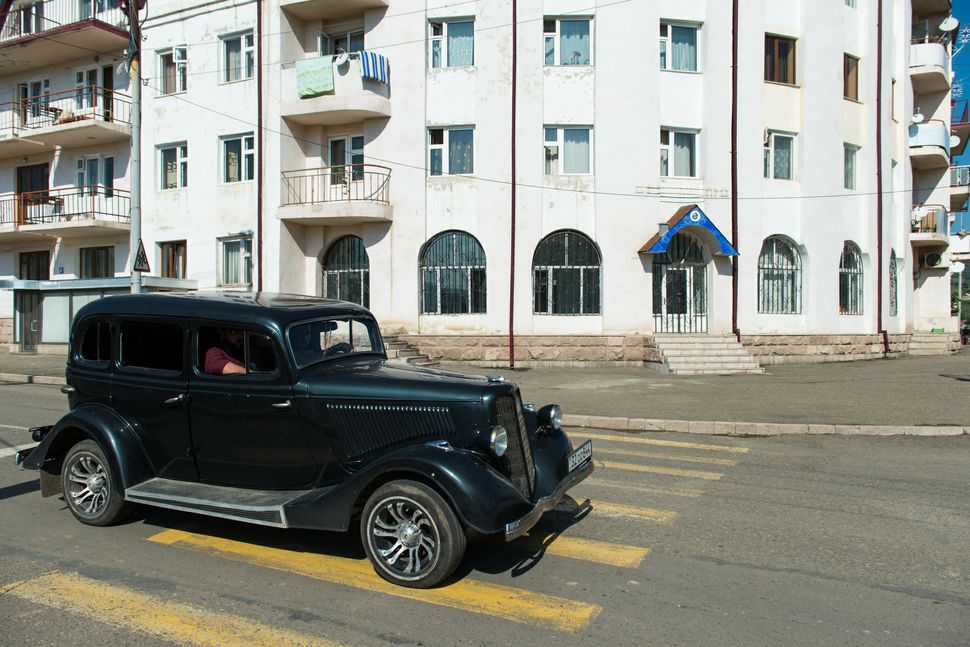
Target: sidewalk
909,395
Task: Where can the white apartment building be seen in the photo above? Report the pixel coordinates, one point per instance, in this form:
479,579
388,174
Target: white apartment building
385,176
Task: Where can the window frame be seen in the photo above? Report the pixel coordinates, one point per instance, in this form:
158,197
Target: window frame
88,257
669,147
551,273
245,251
850,183
769,149
168,254
893,283
851,282
444,147
560,144
181,70
247,56
327,43
789,276
182,165
481,270
557,40
850,61
441,40
667,41
247,161
248,332
776,59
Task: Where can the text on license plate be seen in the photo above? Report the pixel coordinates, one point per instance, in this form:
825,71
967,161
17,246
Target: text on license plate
581,455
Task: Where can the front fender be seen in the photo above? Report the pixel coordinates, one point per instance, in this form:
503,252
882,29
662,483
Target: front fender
105,427
483,498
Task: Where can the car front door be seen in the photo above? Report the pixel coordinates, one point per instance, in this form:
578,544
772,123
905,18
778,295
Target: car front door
246,428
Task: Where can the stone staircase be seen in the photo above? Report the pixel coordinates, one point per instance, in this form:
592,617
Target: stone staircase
929,343
703,354
402,352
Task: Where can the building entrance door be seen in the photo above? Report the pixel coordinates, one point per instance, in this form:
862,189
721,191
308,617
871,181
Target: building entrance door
28,303
680,287
32,185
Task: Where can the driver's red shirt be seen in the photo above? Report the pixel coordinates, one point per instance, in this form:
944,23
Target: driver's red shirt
216,360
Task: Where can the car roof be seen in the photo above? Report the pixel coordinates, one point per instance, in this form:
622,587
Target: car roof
269,309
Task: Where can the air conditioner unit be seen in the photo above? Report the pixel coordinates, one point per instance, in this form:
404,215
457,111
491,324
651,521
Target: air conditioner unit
936,261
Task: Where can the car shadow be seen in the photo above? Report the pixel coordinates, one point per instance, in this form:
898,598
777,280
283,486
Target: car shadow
17,489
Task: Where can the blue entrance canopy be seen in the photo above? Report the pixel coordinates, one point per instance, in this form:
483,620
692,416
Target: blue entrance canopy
700,225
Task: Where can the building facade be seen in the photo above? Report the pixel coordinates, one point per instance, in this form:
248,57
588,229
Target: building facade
380,152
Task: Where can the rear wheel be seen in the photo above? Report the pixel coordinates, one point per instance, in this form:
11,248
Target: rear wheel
90,488
411,534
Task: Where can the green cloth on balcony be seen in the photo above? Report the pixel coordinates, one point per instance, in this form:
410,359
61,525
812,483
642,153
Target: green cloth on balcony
314,76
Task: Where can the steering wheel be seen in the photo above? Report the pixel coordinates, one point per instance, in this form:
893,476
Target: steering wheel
338,349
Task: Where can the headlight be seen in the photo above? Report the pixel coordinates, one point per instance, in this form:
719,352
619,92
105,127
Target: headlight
550,417
499,441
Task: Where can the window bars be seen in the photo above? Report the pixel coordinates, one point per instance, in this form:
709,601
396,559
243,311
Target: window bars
850,280
346,271
566,275
779,278
680,287
453,275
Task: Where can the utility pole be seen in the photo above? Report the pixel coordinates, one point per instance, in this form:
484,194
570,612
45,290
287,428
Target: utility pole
132,8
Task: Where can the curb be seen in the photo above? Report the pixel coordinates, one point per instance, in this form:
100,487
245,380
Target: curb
16,378
718,428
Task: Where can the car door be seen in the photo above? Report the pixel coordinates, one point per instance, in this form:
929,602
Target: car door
246,428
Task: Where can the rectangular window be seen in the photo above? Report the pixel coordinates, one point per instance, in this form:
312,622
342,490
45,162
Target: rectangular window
779,59
151,345
678,47
97,262
451,151
850,3
779,156
452,43
239,57
96,175
35,266
331,45
568,41
678,153
173,70
849,157
567,150
850,77
235,267
174,165
238,158
172,256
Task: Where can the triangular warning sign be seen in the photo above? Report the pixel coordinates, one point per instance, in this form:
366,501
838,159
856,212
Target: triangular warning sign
141,259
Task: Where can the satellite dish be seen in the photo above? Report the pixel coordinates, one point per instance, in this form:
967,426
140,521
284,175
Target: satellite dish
954,141
921,211
342,58
918,117
949,24
957,267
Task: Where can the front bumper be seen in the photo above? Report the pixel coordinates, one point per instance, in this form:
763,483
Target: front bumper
522,525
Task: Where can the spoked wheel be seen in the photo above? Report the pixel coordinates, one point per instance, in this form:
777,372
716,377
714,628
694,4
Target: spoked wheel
90,488
411,534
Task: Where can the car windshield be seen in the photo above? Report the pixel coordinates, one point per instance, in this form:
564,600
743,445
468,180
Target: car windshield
321,339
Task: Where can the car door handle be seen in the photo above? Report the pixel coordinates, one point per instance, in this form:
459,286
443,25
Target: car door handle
177,400
282,405
68,390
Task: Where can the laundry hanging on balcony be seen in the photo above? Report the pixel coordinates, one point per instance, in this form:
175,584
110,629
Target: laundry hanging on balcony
314,76
375,66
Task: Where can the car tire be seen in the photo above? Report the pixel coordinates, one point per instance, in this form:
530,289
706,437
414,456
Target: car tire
91,488
411,535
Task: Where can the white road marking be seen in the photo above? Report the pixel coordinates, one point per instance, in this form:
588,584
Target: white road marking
14,427
10,451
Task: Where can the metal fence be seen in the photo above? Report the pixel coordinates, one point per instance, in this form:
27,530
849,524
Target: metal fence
65,107
67,204
367,182
29,18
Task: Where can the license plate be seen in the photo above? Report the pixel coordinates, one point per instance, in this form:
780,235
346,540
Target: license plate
581,455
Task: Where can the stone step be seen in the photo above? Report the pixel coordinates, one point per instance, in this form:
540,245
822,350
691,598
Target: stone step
720,368
751,371
717,359
691,346
705,352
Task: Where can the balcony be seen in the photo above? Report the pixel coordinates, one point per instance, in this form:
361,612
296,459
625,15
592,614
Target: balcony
352,99
930,226
328,9
929,145
929,66
68,212
43,33
960,125
959,188
337,195
931,7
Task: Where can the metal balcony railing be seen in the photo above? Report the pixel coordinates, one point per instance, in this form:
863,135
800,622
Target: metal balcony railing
959,112
30,18
364,182
67,204
67,106
930,219
925,31
960,176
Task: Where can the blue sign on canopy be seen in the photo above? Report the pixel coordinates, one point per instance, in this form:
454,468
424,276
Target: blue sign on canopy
692,216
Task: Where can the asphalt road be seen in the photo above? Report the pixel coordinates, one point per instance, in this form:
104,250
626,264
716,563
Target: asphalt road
685,541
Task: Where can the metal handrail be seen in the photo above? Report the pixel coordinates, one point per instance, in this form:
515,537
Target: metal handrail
30,18
66,106
934,219
63,204
345,183
960,176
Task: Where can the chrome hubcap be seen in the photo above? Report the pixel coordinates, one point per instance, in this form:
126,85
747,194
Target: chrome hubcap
89,489
404,538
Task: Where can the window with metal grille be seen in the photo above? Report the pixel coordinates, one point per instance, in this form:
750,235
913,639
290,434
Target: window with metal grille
893,284
453,275
850,280
566,275
346,271
779,278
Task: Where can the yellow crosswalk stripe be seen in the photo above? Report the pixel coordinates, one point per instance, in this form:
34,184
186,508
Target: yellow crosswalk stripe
665,517
660,443
584,549
128,609
468,595
668,457
647,489
652,469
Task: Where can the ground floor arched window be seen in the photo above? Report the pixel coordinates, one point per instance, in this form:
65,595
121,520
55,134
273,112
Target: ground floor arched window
566,275
346,271
779,277
893,284
453,275
850,280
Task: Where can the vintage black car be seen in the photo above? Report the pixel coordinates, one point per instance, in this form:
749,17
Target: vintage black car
283,410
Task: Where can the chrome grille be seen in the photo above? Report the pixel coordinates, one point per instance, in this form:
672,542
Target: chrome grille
518,459
366,428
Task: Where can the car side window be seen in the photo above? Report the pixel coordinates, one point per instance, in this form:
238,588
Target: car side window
262,356
151,345
96,342
227,350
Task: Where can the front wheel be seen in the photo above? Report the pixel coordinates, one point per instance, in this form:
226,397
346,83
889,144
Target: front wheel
411,534
90,489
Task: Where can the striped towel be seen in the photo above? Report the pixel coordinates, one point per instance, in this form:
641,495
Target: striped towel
375,66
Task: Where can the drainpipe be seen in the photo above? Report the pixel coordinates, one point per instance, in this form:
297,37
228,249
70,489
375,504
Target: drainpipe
259,145
879,326
515,33
734,169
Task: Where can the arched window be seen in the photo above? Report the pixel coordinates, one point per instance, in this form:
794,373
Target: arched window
453,275
346,271
850,280
566,275
779,277
893,284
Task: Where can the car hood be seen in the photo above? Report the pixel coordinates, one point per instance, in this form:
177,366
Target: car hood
383,380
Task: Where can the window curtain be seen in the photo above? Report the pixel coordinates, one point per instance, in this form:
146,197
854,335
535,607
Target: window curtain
574,42
233,59
461,44
460,152
783,158
684,154
576,144
684,48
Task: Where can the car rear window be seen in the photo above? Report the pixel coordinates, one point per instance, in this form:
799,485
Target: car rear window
96,341
147,344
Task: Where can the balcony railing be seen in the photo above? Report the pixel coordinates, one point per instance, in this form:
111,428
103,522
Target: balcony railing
960,112
68,106
66,204
930,219
363,182
30,18
960,176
